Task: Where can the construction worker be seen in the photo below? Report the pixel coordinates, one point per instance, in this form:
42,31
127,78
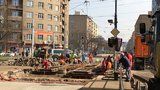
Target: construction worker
106,63
126,65
129,56
90,56
109,63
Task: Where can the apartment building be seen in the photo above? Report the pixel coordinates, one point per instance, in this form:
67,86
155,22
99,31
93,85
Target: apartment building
82,31
47,19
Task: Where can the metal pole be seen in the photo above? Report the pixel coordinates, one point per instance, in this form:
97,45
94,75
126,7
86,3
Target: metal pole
115,26
32,48
115,17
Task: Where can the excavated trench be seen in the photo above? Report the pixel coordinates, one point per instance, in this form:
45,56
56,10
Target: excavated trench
68,74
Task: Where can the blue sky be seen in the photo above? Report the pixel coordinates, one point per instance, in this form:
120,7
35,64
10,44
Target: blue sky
128,12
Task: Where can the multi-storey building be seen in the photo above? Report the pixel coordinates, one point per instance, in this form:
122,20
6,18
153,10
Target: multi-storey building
47,19
82,32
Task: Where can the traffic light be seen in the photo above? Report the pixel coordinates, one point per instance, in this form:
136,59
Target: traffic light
111,42
118,44
115,42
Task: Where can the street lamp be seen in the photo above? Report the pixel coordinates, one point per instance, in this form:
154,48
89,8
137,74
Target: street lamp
32,47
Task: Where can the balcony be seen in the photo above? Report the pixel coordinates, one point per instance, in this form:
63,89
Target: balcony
15,7
15,18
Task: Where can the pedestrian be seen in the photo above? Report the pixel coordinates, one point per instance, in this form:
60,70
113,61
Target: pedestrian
22,54
126,64
27,53
83,57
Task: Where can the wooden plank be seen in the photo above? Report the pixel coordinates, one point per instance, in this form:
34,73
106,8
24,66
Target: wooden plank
127,85
112,85
98,84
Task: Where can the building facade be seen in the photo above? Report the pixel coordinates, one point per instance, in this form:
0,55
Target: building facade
143,18
83,30
47,19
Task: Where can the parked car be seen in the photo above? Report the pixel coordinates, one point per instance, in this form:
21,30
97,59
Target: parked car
2,53
11,54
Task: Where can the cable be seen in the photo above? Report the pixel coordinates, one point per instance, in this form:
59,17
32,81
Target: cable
77,6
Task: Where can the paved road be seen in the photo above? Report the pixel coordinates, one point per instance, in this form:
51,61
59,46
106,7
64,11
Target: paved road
36,86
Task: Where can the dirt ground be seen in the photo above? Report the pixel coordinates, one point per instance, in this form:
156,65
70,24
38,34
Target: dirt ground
36,86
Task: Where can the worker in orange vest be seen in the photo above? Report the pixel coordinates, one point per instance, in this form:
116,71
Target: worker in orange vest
90,56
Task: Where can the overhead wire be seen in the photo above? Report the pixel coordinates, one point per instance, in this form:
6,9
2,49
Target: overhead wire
120,5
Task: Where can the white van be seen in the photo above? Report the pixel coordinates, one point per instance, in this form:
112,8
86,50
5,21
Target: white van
57,51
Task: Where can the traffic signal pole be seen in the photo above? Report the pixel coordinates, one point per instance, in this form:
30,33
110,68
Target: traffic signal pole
115,16
115,27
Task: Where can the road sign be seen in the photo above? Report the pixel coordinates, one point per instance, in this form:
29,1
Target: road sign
115,32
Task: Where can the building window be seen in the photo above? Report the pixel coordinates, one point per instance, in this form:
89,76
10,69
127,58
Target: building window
40,26
15,2
56,8
16,24
49,38
29,37
29,25
15,13
56,39
29,3
1,14
1,35
49,6
62,38
29,15
49,27
14,36
40,15
40,5
56,18
1,2
56,28
40,37
49,16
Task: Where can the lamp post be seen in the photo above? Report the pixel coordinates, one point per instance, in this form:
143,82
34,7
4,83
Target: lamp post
32,48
